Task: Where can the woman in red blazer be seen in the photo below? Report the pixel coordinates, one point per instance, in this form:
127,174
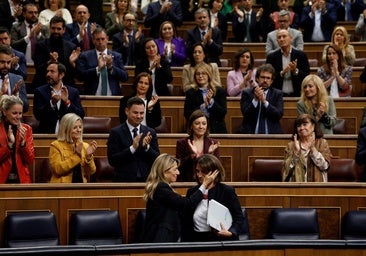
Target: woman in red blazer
16,142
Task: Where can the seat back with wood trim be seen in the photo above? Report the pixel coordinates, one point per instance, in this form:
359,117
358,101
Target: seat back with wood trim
340,126
96,124
29,229
293,223
354,225
266,170
342,170
105,171
95,227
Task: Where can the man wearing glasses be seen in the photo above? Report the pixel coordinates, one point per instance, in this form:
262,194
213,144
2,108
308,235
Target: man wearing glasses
262,106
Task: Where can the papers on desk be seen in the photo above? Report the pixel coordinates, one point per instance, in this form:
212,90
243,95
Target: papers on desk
218,213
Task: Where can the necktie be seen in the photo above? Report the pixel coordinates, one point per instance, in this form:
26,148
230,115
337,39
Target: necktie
134,130
262,122
32,41
86,44
130,56
203,34
104,79
247,23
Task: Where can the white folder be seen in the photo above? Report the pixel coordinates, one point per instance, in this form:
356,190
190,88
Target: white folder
218,213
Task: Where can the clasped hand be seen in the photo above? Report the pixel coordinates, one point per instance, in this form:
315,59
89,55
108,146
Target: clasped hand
145,140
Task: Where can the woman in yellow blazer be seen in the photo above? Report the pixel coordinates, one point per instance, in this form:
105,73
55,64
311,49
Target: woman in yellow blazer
71,159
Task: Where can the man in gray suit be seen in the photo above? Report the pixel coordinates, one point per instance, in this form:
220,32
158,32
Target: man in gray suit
284,21
11,84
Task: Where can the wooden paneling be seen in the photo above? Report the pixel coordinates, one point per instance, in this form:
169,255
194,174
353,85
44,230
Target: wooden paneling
332,201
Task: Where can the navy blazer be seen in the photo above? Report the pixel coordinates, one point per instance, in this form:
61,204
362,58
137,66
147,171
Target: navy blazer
22,62
13,79
214,50
273,113
328,21
194,100
130,167
86,68
225,195
73,30
47,115
164,214
154,18
275,59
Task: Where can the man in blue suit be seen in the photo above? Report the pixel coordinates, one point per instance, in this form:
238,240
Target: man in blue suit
18,61
132,147
101,70
11,84
262,106
80,31
54,99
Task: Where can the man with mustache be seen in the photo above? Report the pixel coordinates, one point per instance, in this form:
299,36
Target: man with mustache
54,99
262,106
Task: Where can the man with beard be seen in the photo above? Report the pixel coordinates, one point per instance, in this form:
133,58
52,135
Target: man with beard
53,49
18,61
53,100
11,84
25,34
262,106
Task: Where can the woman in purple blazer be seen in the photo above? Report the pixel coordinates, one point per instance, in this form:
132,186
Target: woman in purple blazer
171,47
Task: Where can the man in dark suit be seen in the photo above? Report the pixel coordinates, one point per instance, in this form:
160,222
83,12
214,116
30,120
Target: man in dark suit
247,23
18,61
9,12
54,99
25,34
53,49
80,31
160,11
210,37
10,83
291,65
128,41
132,147
262,106
101,70
318,21
361,152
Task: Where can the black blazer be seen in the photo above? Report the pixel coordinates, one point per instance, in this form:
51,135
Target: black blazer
163,75
131,52
153,117
214,50
240,29
164,214
222,25
273,113
42,56
73,30
130,167
225,195
48,116
217,112
6,20
275,59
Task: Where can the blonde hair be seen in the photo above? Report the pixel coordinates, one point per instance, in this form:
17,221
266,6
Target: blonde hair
161,164
322,94
7,101
61,4
67,123
345,34
208,70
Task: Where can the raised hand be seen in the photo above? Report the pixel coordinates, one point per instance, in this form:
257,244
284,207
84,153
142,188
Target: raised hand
11,137
17,87
22,132
91,149
296,144
146,141
213,147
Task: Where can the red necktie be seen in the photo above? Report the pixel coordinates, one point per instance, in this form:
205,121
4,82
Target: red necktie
86,44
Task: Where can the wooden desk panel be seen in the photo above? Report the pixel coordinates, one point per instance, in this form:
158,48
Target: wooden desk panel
332,201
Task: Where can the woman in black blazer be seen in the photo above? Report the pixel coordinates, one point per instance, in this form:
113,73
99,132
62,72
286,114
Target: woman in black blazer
209,98
164,207
143,89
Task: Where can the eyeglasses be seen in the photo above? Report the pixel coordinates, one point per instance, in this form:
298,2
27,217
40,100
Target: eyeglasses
200,74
